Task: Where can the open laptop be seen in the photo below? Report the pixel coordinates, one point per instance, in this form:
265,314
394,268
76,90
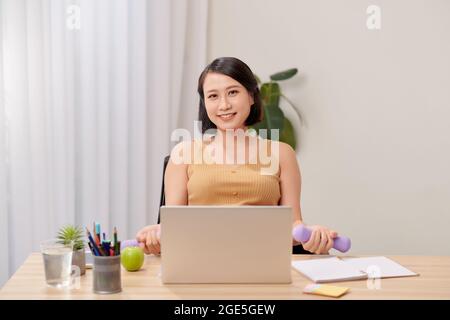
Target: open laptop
226,244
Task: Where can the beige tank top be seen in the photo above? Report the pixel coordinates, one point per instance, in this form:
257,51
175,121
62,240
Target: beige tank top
225,184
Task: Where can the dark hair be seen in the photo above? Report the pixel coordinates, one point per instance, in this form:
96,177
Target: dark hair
240,72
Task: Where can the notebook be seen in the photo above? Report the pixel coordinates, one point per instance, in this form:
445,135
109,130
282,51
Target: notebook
336,269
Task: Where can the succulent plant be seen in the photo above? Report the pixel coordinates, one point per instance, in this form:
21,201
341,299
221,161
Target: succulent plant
72,233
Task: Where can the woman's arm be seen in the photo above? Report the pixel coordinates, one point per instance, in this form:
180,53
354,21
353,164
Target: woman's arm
290,182
175,191
321,240
176,179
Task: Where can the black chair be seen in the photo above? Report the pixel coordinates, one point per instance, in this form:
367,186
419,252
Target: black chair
295,249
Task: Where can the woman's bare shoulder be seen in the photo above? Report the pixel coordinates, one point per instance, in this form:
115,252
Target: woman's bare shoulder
287,153
184,151
179,152
284,148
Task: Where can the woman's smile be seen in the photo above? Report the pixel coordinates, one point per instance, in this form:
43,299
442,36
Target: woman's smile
227,116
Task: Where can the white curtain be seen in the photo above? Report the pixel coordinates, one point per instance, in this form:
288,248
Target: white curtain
90,93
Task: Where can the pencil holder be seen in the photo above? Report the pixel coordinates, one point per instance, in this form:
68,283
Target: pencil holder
106,276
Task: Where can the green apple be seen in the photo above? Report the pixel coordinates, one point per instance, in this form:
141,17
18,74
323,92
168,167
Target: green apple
132,258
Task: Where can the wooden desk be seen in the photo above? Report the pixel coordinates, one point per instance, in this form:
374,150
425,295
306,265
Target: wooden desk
433,283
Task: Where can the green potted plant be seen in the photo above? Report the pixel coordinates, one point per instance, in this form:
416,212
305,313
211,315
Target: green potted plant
74,234
273,116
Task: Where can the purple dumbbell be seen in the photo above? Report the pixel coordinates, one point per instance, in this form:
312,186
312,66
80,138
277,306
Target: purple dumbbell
302,234
129,243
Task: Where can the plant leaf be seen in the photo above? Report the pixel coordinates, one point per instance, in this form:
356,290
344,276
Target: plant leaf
274,119
270,93
71,233
288,135
284,75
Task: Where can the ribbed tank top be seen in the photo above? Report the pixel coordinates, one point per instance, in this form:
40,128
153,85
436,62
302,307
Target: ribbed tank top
225,184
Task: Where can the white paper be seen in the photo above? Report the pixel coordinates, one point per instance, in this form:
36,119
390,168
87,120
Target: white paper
379,267
328,270
335,269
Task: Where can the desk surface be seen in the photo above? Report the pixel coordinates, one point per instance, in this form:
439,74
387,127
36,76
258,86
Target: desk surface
433,283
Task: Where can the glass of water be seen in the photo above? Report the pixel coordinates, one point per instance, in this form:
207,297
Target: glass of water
57,262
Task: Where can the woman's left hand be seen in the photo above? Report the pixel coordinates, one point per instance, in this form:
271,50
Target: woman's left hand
321,240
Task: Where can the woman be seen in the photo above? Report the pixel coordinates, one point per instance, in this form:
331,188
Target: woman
229,103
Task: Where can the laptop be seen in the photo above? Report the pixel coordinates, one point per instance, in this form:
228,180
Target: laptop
226,244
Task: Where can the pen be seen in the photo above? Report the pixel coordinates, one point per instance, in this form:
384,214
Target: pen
101,250
115,235
94,246
115,242
106,246
92,249
94,234
97,231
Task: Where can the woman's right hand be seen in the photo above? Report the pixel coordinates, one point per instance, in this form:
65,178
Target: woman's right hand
149,239
321,240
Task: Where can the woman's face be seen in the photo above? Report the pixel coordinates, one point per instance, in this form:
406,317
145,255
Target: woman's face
227,102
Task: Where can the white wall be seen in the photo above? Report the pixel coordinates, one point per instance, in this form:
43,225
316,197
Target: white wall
375,146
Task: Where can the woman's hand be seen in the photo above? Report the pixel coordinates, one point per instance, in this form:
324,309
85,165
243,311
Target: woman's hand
321,240
149,239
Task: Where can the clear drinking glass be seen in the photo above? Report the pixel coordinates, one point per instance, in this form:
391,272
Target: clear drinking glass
57,262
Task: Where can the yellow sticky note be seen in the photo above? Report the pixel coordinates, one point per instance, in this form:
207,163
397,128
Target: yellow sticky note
325,290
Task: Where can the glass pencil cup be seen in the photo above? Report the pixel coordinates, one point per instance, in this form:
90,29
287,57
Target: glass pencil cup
106,274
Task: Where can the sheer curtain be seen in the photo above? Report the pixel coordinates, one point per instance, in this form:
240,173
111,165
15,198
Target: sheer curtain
90,92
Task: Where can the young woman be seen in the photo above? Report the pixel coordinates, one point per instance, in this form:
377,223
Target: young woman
230,170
